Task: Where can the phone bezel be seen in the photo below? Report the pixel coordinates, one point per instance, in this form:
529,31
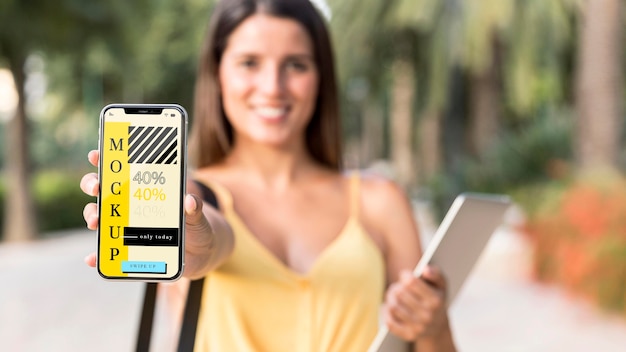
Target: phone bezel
148,109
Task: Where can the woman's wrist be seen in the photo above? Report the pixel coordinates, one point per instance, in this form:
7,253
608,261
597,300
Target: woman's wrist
442,341
214,246
199,258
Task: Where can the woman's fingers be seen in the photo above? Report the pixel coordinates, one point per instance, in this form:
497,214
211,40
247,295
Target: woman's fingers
401,329
193,208
90,214
90,260
403,300
434,277
198,229
415,306
94,157
89,184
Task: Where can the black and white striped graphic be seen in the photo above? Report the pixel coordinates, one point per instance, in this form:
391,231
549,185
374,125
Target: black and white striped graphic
152,145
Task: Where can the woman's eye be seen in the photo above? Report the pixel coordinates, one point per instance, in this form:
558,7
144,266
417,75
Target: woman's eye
248,63
297,66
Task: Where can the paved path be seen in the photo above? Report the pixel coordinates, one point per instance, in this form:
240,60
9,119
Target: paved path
501,310
50,301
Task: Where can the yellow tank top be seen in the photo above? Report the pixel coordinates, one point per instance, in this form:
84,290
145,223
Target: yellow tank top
253,302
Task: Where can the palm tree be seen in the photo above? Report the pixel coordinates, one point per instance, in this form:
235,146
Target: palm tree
19,217
471,63
599,84
46,28
378,48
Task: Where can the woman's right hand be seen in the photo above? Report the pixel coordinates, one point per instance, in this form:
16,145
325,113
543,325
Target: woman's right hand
90,185
208,237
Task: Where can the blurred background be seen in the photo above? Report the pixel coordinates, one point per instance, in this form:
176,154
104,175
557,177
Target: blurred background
523,98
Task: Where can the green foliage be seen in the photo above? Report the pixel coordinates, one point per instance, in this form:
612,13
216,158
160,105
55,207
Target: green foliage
2,205
63,144
539,40
59,200
146,51
145,55
2,146
143,52
524,156
538,151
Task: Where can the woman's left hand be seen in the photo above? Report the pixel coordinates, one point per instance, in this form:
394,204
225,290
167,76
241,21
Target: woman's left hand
416,307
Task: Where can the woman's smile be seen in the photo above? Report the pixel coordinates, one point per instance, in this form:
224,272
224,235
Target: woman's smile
269,81
271,113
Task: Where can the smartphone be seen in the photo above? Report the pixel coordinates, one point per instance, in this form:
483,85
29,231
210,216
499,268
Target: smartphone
142,173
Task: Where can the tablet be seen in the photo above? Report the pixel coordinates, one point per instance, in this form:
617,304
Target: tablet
455,248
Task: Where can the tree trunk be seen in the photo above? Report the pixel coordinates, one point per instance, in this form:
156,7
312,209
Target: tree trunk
484,104
372,135
401,122
599,90
429,144
453,129
20,220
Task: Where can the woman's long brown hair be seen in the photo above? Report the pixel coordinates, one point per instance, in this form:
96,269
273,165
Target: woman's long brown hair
211,134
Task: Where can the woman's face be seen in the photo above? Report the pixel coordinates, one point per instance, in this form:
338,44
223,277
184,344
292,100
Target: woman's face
269,81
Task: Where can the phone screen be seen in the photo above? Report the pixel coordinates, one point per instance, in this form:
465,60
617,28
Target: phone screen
142,183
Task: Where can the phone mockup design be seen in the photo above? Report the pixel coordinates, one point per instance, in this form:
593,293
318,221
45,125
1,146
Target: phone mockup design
142,175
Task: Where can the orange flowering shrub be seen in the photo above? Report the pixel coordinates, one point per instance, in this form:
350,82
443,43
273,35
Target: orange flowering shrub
579,233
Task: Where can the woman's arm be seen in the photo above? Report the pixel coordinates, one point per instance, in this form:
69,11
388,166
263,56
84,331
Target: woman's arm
414,308
208,237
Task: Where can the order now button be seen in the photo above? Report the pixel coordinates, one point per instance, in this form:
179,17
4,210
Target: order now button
144,267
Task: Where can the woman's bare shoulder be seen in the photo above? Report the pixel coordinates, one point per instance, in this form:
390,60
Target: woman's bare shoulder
207,175
388,210
380,191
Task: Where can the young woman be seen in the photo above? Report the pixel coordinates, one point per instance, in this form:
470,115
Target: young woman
303,254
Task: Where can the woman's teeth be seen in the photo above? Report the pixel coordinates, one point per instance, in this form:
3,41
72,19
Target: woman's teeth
271,111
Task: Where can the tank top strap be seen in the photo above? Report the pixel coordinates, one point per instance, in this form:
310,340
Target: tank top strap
222,193
355,194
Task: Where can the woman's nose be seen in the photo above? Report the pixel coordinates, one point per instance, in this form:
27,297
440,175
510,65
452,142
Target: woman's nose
271,81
